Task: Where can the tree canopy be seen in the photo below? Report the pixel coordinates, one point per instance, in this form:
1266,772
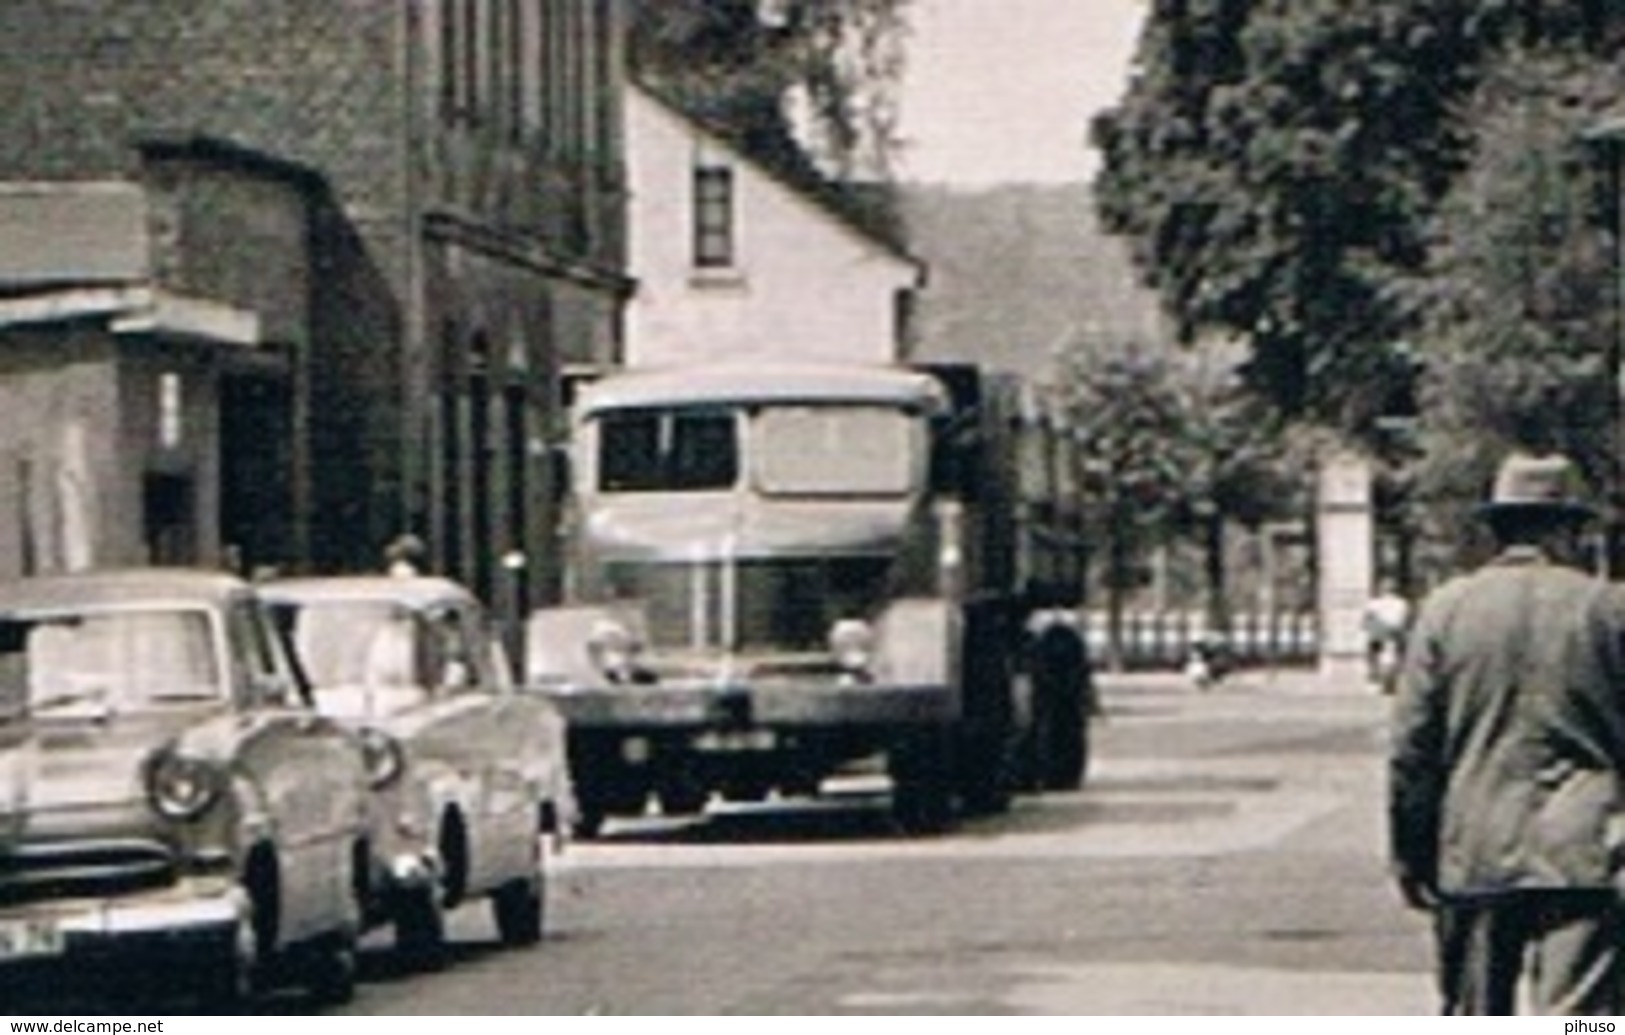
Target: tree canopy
1284,170
746,64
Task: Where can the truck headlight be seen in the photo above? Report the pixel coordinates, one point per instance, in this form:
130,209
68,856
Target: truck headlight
852,642
613,650
179,787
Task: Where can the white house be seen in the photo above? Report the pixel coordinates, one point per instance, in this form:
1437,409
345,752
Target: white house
735,261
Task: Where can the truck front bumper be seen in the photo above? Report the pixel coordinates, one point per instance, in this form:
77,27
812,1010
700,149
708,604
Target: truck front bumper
759,705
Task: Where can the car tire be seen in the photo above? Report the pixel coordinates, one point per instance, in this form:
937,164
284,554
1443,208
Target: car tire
420,930
519,907
330,969
227,974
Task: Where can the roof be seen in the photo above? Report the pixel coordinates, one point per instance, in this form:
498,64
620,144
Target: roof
413,591
861,209
760,382
118,587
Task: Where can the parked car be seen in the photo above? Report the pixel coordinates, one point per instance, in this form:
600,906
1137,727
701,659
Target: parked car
168,797
483,767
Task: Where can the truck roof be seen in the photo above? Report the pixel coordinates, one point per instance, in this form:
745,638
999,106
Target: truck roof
764,383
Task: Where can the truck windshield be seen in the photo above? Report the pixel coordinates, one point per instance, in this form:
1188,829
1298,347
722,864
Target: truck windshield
114,661
667,451
834,450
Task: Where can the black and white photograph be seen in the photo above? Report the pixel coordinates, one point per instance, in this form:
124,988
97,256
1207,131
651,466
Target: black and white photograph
870,508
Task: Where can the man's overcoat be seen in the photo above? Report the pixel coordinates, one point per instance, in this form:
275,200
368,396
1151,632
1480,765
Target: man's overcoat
1509,732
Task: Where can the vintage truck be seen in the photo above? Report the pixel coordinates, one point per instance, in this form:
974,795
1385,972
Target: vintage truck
774,571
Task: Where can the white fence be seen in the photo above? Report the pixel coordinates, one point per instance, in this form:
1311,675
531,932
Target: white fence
1163,639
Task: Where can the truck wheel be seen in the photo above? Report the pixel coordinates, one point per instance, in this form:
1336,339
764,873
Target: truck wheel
589,822
1061,705
921,772
680,788
983,757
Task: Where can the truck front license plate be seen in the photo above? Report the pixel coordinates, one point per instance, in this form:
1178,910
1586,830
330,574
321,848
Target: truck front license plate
751,740
20,939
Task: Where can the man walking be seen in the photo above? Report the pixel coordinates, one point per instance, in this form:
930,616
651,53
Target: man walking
1507,761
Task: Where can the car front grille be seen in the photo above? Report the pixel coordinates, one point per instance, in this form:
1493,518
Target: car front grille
77,869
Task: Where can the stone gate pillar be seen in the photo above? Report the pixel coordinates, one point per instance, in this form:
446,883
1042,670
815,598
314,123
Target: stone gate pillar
1343,540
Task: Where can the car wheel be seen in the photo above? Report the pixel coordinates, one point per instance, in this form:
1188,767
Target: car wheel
420,930
330,969
519,907
226,975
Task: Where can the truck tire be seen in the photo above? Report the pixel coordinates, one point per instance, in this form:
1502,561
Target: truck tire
1062,699
983,761
680,787
604,784
921,767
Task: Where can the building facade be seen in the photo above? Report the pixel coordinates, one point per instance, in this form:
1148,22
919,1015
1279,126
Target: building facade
735,261
401,218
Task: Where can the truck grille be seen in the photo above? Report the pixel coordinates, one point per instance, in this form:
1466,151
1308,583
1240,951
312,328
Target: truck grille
38,872
776,605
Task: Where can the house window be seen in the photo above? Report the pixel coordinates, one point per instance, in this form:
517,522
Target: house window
713,217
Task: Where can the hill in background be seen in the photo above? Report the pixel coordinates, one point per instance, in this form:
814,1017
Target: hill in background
1018,273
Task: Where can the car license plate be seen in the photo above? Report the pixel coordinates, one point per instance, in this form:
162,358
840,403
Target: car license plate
32,937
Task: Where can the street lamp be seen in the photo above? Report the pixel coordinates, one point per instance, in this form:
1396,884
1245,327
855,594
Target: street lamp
1608,138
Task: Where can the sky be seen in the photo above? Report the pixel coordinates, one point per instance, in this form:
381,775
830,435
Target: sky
1001,91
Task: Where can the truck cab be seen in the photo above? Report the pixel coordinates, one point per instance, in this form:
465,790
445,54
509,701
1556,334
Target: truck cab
766,582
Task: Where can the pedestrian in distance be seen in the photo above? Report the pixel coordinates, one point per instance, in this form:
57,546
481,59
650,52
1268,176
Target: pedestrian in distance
1507,757
1387,621
405,555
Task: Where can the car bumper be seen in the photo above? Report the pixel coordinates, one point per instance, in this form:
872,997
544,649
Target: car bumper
174,922
761,705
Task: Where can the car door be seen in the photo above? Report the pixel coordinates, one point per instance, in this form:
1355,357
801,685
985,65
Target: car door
311,778
459,659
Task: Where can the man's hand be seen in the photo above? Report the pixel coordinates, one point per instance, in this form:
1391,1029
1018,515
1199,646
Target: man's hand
1417,893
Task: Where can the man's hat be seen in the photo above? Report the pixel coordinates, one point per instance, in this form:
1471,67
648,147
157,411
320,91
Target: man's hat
1549,485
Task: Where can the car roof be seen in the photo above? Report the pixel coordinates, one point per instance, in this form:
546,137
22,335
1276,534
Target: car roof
412,591
58,592
760,382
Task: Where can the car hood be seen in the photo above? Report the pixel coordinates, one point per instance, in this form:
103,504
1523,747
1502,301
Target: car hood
78,776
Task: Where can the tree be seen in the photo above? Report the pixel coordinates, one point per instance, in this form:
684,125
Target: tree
1519,303
1278,164
742,64
1172,446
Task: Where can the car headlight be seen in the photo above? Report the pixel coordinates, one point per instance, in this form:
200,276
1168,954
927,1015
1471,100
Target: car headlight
613,649
383,758
852,642
180,787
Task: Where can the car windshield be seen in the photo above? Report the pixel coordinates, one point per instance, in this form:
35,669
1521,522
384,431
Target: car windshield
668,451
351,643
112,661
834,450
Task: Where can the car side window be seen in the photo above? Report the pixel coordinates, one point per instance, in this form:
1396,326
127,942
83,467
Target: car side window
454,661
267,678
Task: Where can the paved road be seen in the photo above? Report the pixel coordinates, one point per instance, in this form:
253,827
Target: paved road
1225,858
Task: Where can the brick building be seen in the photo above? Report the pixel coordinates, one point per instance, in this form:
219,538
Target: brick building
280,279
